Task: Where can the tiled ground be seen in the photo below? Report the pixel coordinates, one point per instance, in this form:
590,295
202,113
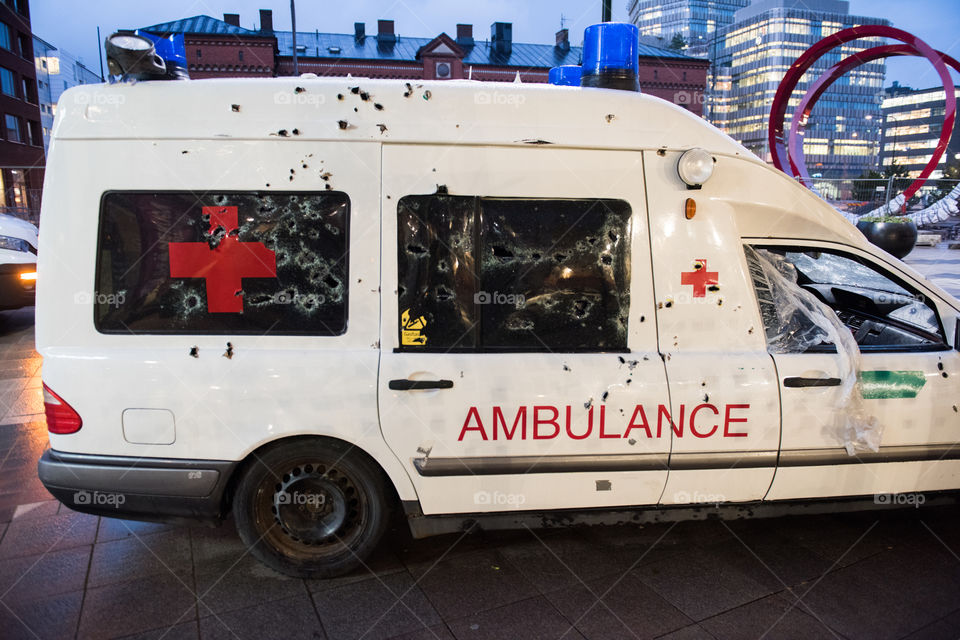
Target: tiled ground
64,574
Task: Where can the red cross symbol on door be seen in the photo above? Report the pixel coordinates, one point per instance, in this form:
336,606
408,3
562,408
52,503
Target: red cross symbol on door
225,265
699,278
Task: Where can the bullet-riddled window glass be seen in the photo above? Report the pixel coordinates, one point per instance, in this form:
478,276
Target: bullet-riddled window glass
513,274
222,263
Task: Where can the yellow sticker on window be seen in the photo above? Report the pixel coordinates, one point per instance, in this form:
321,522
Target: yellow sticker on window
411,333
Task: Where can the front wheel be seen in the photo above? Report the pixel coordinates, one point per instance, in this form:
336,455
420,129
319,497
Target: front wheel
311,508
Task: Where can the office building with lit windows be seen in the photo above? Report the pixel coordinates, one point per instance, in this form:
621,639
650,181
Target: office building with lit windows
696,20
912,124
57,71
752,55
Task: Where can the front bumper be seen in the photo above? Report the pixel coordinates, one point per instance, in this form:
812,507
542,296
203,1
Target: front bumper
14,292
156,489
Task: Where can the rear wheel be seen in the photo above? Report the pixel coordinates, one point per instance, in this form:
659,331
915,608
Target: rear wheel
311,508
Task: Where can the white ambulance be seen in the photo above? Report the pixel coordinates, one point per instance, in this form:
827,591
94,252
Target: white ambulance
309,301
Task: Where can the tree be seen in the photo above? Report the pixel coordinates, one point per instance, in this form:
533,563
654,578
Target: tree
865,187
678,44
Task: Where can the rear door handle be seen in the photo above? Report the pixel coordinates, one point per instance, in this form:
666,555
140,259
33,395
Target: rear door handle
408,385
812,382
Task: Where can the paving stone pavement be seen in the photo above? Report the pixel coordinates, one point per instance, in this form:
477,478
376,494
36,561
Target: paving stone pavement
65,574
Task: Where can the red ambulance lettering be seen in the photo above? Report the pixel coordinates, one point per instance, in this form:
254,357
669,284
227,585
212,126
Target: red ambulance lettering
728,419
661,412
466,424
521,419
693,420
552,421
633,422
586,433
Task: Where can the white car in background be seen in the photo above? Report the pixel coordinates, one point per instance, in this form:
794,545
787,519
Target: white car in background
18,262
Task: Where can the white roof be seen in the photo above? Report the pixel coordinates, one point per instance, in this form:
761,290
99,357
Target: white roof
440,112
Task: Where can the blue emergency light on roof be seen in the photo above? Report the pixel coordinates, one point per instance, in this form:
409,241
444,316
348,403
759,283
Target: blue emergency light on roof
611,57
567,75
173,51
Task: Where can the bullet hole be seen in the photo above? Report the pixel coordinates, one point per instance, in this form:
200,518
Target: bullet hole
238,293
233,233
291,178
535,255
378,106
328,187
356,110
331,282
661,152
668,304
283,133
642,318
713,288
610,117
500,251
606,259
343,124
235,108
215,237
606,394
295,132
631,441
944,374
659,305
228,354
629,380
461,373
339,96
703,384
720,303
382,127
325,176
646,358
580,308
416,249
292,171
566,368
355,90
955,410
588,403
192,302
750,330
559,257
706,397
442,189
194,351
622,359
298,90
697,266
409,91
444,294
267,184
364,96
304,166
184,151
427,95
940,366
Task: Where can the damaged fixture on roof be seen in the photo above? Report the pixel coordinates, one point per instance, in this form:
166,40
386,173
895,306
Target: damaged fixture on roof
143,56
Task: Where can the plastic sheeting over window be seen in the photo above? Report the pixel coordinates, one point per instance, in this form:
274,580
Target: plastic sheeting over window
796,320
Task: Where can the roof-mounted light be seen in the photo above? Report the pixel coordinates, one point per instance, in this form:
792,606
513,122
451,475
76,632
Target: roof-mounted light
695,167
144,56
567,75
611,57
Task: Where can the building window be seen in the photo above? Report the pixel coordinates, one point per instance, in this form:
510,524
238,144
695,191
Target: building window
199,53
5,36
280,267
13,128
29,93
25,48
513,274
33,129
240,55
7,85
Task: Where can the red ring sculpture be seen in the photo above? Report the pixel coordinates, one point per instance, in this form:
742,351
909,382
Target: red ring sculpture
914,46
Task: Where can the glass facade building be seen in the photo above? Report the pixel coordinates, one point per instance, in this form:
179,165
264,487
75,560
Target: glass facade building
57,71
696,20
751,57
912,124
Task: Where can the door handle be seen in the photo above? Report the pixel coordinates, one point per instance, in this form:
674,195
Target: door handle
812,382
408,385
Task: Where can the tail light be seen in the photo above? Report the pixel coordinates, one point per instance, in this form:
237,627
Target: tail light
61,417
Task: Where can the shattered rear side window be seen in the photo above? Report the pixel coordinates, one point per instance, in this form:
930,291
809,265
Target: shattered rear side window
222,263
555,274
436,272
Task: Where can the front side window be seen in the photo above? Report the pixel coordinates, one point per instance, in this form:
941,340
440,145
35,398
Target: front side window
513,274
222,263
882,312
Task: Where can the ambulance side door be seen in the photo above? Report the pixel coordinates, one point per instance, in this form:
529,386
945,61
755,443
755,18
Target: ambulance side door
517,333
910,382
724,404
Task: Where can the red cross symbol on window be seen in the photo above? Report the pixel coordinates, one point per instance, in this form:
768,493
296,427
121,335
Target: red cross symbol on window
225,265
699,278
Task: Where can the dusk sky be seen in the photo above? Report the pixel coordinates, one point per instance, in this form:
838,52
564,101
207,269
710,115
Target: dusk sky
72,25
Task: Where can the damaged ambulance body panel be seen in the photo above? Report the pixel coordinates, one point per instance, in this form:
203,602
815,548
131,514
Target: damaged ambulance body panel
431,291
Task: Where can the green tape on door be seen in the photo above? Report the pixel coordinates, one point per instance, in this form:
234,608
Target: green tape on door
881,385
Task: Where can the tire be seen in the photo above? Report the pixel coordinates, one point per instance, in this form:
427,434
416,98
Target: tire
311,508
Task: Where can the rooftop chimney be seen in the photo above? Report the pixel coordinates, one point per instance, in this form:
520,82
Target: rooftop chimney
501,37
232,18
266,20
563,39
465,34
359,31
385,31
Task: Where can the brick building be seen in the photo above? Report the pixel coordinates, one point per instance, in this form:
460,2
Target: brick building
224,49
666,74
21,144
